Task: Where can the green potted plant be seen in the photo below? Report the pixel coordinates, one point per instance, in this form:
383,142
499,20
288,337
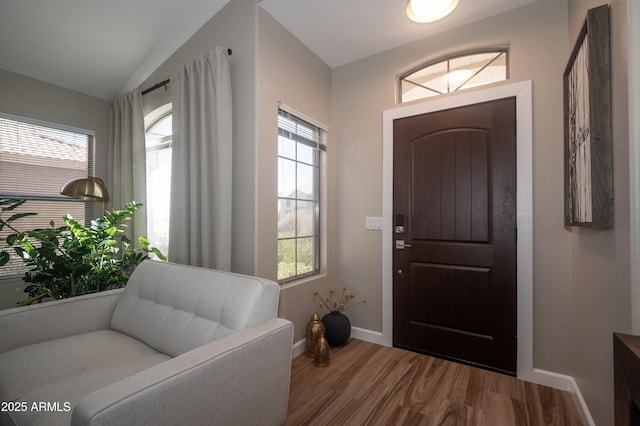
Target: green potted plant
72,259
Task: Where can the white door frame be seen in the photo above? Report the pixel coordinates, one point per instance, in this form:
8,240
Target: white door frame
522,91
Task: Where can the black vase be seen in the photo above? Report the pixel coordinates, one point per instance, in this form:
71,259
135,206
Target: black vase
337,328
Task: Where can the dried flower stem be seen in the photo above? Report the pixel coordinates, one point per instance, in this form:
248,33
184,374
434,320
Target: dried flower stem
337,304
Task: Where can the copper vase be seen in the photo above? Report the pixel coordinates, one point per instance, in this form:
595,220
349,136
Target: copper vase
322,352
315,328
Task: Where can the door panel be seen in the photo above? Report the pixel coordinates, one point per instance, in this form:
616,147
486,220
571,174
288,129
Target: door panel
450,173
455,280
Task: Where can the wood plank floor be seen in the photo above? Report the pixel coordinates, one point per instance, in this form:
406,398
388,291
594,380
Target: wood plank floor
369,384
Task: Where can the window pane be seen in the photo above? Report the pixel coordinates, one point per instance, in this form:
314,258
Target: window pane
474,62
305,221
286,147
286,178
160,132
306,154
159,197
411,92
306,255
286,259
431,78
306,190
158,139
496,71
286,218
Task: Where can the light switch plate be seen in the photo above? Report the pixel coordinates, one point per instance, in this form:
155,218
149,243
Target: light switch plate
374,223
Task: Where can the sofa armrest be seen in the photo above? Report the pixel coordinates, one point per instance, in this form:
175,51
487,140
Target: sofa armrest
242,379
51,320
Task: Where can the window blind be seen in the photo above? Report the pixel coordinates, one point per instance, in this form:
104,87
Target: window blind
294,128
36,160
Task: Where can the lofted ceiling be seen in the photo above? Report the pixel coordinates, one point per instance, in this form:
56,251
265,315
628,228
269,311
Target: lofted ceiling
102,48
343,31
97,47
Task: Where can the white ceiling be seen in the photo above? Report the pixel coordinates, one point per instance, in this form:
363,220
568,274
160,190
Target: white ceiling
102,48
97,47
343,31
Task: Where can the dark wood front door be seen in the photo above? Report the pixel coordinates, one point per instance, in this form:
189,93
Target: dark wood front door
454,286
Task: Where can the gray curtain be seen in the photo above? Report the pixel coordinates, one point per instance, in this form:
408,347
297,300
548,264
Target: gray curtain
126,179
200,221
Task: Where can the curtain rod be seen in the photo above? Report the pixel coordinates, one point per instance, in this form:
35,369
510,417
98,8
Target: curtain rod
165,82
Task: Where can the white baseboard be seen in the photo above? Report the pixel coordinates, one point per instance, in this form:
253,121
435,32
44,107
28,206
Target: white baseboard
566,383
553,380
299,348
367,335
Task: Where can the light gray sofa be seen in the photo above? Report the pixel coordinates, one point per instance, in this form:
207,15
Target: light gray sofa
178,346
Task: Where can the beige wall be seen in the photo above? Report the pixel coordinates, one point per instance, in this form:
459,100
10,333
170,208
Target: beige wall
633,80
26,97
601,259
263,73
362,90
290,73
233,27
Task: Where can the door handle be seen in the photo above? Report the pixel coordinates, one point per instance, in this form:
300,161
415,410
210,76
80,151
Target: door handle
400,245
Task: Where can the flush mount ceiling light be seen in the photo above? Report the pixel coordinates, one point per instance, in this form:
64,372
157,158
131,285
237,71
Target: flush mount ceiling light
424,11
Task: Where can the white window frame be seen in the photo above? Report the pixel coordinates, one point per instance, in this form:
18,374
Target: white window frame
318,144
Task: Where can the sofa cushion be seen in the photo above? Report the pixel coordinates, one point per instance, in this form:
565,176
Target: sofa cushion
66,394
31,367
176,308
66,369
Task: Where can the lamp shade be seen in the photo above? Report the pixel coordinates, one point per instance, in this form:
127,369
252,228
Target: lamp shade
89,188
425,11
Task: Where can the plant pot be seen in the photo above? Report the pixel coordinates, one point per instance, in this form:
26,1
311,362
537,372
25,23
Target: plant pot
337,328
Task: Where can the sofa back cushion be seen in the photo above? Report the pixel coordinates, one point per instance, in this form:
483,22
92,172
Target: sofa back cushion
176,308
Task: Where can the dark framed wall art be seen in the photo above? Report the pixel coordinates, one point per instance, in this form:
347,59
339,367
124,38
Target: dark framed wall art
587,126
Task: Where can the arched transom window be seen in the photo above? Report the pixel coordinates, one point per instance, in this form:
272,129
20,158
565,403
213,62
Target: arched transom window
455,73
